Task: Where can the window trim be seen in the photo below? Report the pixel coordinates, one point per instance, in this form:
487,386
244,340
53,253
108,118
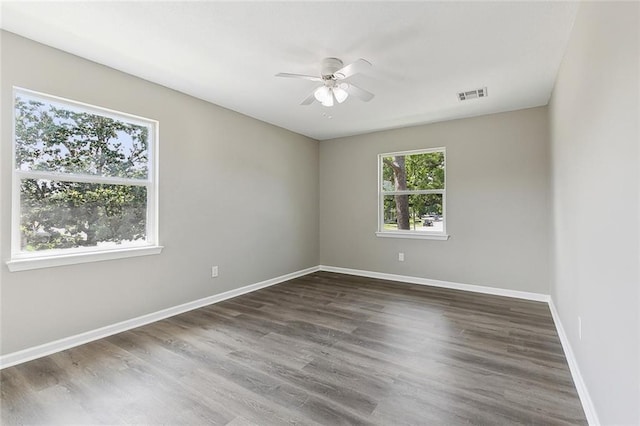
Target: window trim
410,234
25,264
21,260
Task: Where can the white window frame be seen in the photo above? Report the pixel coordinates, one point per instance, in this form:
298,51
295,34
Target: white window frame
424,235
22,260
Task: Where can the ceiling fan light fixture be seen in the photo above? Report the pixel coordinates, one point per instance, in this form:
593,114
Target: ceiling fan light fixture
328,101
340,94
322,93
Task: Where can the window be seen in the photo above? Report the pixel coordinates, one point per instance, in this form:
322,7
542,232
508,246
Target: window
84,183
412,194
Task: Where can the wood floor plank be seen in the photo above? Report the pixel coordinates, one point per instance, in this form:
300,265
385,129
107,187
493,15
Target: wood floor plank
320,349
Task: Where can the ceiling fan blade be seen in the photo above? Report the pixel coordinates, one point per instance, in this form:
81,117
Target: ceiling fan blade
353,68
305,77
309,99
359,93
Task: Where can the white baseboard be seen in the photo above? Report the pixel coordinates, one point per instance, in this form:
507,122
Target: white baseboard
538,297
581,387
29,354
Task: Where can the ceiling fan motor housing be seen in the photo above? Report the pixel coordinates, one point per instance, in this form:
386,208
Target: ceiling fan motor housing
329,67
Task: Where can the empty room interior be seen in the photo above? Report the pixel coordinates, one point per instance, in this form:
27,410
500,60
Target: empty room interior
264,213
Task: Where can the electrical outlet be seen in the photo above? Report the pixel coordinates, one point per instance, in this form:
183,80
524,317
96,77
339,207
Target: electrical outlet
401,257
214,271
580,328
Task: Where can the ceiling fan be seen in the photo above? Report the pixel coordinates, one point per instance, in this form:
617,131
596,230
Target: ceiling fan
333,74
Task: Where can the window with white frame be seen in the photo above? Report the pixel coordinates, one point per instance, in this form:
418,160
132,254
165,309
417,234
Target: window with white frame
84,183
412,194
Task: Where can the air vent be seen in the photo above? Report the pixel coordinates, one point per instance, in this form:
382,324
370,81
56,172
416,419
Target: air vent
473,94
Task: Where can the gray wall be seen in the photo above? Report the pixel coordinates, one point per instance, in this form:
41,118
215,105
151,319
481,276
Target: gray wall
498,203
594,117
234,192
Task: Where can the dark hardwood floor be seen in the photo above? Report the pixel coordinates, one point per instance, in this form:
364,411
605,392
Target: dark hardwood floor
322,349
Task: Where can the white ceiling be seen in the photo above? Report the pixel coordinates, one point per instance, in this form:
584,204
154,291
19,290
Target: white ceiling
227,53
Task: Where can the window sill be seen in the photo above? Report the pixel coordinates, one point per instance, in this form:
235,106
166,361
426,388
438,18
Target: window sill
412,235
27,263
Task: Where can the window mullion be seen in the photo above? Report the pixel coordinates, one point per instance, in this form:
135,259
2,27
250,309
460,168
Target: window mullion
84,178
417,191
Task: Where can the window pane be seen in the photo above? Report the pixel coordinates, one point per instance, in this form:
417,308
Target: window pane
59,214
56,137
416,212
412,172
